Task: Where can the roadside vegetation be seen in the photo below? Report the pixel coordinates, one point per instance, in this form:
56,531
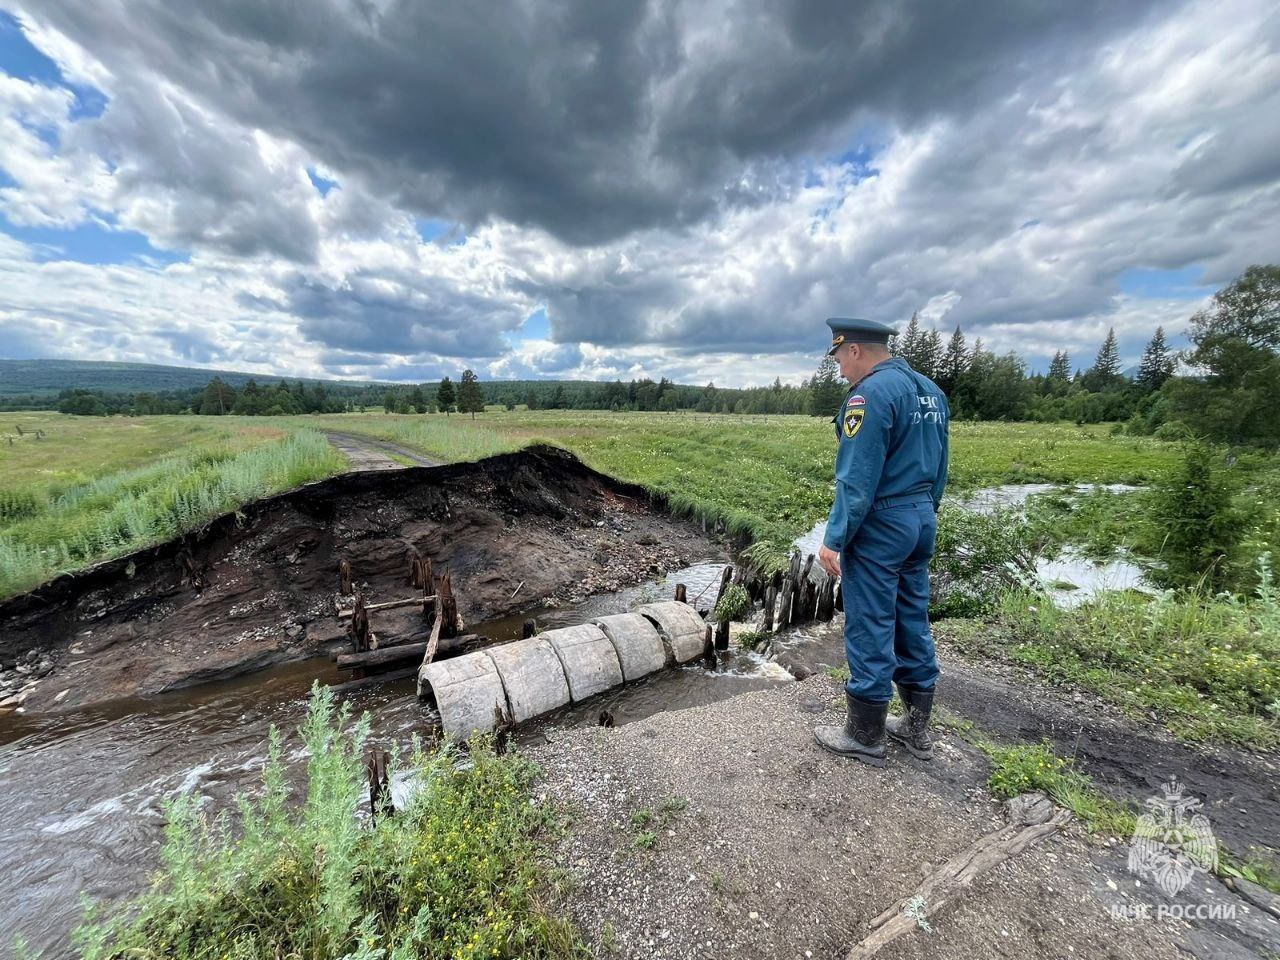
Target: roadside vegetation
72,498
456,873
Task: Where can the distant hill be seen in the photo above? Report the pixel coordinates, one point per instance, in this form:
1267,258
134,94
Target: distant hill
48,377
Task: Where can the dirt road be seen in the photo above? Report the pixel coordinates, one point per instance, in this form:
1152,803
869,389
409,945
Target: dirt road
365,453
724,831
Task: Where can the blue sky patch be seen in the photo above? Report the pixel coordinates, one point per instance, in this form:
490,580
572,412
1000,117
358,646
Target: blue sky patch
1183,284
536,326
434,230
323,184
88,243
18,58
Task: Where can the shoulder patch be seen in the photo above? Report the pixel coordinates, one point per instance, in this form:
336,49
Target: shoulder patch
857,400
853,417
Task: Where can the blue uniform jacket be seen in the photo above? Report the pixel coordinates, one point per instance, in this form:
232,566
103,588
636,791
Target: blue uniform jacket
893,444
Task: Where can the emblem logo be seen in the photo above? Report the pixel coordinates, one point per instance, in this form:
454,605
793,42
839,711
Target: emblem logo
857,400
1172,841
853,417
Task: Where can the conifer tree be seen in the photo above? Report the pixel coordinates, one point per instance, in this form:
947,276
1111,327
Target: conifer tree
908,347
1157,362
930,355
825,389
470,396
1107,363
445,395
954,362
1060,367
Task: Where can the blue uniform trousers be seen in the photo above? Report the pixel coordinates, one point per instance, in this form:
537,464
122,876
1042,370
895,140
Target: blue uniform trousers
885,579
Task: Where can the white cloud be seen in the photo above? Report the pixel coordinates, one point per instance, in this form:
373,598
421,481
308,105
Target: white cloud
1013,215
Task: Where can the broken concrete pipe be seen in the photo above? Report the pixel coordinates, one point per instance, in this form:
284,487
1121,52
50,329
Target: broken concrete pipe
527,678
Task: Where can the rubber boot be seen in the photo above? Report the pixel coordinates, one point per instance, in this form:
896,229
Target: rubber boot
912,728
861,736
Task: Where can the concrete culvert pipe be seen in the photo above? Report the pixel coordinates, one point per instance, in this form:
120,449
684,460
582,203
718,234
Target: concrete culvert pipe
535,676
681,629
636,640
465,690
590,661
532,675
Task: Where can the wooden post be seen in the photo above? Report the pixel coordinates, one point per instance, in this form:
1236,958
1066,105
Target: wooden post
722,635
786,596
362,637
344,578
725,574
528,629
447,609
379,786
810,600
681,593
766,618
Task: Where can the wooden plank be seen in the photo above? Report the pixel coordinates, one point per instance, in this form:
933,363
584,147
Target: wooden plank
392,605
409,651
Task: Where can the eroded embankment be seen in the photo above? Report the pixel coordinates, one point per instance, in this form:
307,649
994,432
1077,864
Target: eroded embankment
259,586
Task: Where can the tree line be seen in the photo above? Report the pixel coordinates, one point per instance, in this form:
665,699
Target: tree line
1226,386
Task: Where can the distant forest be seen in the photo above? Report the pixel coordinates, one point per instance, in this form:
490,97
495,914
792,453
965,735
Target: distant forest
1235,358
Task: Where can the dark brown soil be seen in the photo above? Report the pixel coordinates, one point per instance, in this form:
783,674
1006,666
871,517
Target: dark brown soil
1127,759
259,587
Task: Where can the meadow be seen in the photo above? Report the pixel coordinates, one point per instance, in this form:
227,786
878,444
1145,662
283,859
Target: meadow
93,488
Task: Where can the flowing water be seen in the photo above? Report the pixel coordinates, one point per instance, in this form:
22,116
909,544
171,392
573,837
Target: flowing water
81,792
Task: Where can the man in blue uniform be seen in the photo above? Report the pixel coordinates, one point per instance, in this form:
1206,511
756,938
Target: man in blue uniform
891,468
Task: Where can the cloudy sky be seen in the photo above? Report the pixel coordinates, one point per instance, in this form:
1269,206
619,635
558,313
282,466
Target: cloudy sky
567,188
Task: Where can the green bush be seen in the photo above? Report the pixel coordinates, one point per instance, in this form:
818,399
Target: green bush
1198,527
733,605
455,874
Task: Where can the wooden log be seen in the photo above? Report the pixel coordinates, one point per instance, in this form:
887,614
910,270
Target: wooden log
392,605
952,879
360,683
722,635
810,601
344,578
808,565
528,629
682,593
410,651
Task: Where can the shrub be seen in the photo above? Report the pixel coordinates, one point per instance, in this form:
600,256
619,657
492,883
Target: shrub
452,874
733,605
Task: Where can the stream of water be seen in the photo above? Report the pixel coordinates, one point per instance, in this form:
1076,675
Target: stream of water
81,792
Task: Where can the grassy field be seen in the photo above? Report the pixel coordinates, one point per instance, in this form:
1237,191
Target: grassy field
91,489
766,476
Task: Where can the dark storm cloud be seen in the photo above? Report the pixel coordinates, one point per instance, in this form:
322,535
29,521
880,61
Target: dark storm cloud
371,313
588,119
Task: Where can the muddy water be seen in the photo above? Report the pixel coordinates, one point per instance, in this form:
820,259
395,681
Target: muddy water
81,793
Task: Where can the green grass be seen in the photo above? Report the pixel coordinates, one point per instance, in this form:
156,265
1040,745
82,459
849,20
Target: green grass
1207,668
768,477
459,873
1029,767
53,526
